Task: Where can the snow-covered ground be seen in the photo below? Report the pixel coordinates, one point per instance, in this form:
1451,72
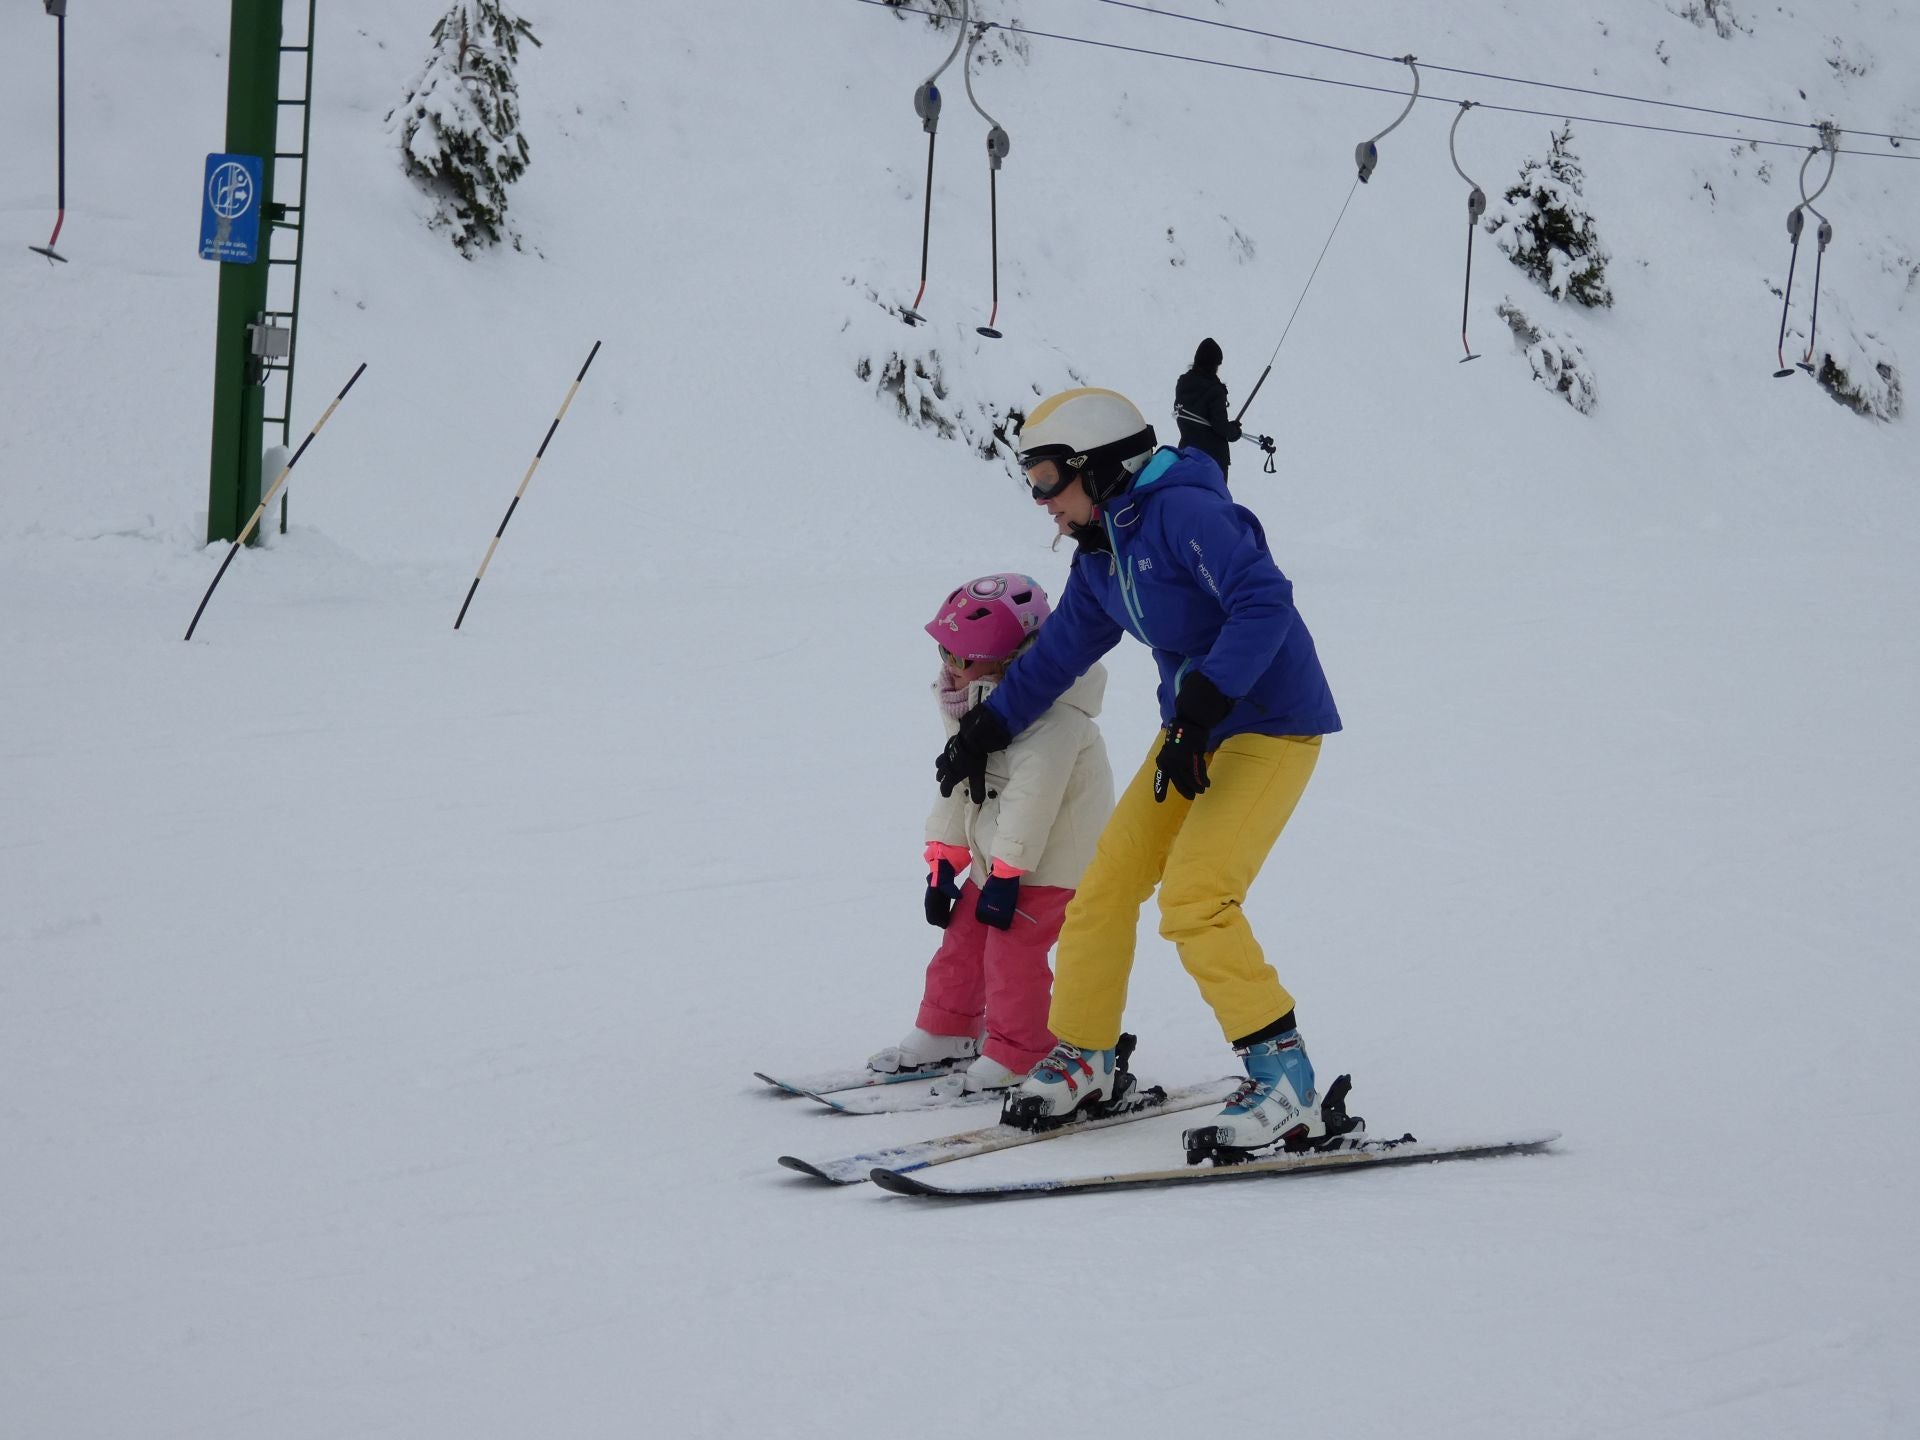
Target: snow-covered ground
377,1004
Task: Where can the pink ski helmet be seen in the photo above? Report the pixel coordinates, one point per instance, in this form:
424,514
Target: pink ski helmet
988,618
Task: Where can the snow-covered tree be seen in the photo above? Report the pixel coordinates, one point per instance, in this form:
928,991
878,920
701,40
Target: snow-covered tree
459,126
1545,228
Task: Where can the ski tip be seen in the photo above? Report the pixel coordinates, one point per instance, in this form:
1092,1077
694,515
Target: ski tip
806,1167
899,1184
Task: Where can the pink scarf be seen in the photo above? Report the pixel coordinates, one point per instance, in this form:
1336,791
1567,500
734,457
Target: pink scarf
957,694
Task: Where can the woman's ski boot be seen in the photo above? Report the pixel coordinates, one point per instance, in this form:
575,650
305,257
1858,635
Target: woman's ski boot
1276,1108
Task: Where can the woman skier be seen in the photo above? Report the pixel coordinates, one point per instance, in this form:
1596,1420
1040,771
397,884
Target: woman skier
1046,795
1166,556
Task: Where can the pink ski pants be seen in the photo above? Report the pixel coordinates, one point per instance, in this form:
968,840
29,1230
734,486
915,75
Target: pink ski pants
996,982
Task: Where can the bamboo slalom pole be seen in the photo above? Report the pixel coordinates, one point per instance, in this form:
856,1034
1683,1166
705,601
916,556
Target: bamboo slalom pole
487,559
267,499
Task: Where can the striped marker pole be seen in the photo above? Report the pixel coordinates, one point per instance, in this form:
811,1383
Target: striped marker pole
267,499
487,559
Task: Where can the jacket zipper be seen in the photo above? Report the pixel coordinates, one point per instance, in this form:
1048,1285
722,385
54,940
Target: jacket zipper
1124,574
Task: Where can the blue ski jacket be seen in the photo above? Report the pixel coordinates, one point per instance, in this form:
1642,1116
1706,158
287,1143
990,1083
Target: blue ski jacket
1191,576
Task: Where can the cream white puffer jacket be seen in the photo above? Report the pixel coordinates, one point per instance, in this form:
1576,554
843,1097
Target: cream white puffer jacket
1049,793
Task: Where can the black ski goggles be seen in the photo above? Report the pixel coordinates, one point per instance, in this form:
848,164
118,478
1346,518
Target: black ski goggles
1063,476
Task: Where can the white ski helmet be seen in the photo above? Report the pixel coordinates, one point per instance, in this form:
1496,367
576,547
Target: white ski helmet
1097,435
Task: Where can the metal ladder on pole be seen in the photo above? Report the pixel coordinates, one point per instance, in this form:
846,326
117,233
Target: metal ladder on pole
289,220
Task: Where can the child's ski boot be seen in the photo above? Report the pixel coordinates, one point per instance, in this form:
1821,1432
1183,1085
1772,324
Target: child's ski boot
981,1077
924,1051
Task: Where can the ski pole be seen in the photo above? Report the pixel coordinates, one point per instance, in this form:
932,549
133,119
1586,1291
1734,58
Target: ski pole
487,559
267,499
58,9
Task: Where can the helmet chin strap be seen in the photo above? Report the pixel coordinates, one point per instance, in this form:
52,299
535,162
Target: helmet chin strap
1091,536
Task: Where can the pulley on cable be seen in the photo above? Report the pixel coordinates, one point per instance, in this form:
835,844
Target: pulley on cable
58,9
1829,142
1476,207
997,147
926,104
1366,155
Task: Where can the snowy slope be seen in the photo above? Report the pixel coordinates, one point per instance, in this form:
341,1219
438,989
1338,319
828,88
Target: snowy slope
377,1004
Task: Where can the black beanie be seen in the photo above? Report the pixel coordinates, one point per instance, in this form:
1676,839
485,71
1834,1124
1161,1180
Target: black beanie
1208,356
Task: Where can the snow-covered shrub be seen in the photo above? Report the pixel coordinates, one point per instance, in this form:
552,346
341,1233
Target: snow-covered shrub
1558,361
934,384
1858,371
1876,395
1545,229
1717,14
459,126
1850,362
917,386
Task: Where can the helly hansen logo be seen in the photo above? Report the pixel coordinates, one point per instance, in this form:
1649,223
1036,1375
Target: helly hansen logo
1144,562
1200,556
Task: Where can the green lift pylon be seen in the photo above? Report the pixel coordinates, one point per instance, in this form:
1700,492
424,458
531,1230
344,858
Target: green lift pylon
239,393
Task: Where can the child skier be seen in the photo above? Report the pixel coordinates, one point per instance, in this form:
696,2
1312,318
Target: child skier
1026,839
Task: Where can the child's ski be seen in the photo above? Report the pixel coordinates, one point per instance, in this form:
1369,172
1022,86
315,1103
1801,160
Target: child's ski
901,1099
1358,1154
917,1156
828,1082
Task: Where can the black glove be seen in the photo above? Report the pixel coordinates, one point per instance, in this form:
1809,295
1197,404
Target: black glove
997,899
1182,761
942,891
965,758
1233,430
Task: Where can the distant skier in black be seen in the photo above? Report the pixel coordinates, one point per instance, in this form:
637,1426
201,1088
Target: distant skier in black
1200,407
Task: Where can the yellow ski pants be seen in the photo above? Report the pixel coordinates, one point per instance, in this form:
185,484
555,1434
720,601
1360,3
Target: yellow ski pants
1203,854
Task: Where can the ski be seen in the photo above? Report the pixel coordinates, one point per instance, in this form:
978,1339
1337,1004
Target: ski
904,1099
919,1154
829,1082
1354,1155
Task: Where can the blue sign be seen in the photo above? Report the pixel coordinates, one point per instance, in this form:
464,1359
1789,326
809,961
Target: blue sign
230,209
